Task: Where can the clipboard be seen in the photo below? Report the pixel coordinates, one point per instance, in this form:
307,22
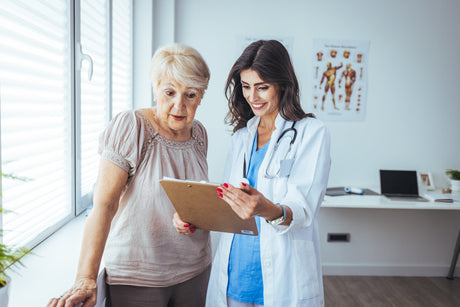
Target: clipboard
198,203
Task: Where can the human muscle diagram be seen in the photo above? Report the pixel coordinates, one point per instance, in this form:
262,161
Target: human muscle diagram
349,75
329,75
339,83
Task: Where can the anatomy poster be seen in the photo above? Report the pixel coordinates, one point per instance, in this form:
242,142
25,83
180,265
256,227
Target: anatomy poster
339,87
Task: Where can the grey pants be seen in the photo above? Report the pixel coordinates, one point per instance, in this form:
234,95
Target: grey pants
190,293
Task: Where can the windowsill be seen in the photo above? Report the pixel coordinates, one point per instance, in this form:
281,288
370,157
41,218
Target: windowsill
50,269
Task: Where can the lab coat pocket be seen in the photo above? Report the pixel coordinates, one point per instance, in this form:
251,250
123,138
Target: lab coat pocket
306,268
285,167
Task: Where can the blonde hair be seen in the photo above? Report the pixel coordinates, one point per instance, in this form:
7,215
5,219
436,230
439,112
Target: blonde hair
183,64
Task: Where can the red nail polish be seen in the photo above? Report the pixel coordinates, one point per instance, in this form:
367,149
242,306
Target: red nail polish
185,225
244,184
220,195
219,190
225,185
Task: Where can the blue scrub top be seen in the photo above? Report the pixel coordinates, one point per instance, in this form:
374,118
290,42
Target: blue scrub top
245,282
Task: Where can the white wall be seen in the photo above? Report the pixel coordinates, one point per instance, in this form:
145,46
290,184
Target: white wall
411,120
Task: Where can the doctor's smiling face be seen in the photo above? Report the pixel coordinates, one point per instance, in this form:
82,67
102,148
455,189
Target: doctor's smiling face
263,97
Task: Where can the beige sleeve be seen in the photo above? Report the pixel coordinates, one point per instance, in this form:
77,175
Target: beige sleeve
121,142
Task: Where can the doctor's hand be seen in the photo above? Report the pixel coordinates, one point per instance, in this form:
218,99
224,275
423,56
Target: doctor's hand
83,291
248,202
181,226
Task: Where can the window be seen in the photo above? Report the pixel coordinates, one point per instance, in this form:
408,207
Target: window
35,115
122,56
94,38
51,112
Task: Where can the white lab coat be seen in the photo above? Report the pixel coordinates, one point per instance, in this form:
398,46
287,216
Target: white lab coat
290,255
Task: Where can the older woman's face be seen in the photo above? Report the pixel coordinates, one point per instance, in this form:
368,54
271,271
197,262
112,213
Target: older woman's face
176,106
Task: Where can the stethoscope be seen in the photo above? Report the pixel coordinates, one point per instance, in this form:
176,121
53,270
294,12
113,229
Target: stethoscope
284,133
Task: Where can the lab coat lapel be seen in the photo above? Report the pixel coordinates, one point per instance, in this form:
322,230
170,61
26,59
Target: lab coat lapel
279,124
252,125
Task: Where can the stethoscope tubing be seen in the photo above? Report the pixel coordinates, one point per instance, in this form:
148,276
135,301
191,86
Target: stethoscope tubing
286,131
294,130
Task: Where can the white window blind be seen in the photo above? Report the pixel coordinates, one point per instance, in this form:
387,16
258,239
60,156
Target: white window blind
35,80
44,136
122,56
94,93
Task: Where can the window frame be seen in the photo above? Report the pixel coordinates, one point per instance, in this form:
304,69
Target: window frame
79,203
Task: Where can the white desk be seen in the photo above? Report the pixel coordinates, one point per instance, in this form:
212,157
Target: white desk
381,202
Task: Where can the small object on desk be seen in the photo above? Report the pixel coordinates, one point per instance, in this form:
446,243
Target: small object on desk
340,191
439,197
444,200
446,190
354,190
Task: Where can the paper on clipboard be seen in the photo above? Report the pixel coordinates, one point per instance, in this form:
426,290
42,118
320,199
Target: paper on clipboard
198,203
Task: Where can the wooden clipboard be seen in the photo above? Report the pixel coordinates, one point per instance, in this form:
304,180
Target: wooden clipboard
198,204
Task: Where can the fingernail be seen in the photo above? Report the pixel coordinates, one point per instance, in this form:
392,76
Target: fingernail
219,190
225,185
185,225
220,195
244,184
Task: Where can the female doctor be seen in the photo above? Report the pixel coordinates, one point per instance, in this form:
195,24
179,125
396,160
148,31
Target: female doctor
283,155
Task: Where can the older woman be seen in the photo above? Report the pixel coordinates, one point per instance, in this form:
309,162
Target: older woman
147,262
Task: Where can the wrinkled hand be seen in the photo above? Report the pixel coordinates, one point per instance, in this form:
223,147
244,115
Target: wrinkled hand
181,226
245,201
83,291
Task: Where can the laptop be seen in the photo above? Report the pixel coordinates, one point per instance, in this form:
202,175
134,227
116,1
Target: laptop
400,185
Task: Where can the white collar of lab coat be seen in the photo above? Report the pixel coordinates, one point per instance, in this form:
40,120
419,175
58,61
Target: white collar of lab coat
252,125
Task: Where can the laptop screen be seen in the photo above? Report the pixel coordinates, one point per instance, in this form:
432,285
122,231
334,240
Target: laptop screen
396,182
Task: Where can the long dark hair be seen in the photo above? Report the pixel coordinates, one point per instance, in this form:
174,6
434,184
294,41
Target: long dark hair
270,59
